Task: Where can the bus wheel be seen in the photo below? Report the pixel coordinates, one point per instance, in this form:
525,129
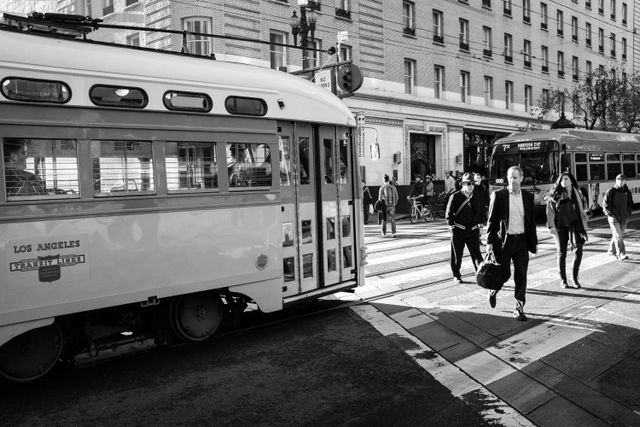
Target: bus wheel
31,354
195,317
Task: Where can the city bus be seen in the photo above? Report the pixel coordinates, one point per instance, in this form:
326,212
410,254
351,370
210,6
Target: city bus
593,157
149,196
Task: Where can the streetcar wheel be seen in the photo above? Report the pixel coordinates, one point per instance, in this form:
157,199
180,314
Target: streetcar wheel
32,354
195,317
414,216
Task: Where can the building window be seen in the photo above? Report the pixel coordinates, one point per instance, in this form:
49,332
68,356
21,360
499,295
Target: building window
277,53
409,75
544,16
526,11
601,7
612,38
575,68
486,42
527,53
624,49
486,3
600,40
464,34
506,7
545,59
130,2
574,29
88,12
312,58
560,22
465,89
488,91
438,83
624,14
133,39
345,52
438,26
613,10
528,95
409,17
545,96
508,94
508,48
587,34
560,64
107,7
198,45
589,68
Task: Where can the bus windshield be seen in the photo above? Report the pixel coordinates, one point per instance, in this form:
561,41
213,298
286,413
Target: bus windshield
539,167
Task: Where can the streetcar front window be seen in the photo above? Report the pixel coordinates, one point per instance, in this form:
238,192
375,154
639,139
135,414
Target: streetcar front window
538,167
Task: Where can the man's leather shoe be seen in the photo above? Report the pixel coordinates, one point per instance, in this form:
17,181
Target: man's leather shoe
576,284
492,299
519,315
564,284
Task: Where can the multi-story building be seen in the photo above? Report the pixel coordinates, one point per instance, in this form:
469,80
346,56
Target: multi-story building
443,78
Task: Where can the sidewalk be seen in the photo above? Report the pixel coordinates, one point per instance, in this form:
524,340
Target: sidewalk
575,362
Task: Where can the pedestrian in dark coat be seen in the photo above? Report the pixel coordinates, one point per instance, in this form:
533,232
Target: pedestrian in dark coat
511,235
617,204
567,221
366,201
463,214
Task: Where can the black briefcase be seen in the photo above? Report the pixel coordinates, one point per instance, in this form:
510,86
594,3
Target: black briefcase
489,274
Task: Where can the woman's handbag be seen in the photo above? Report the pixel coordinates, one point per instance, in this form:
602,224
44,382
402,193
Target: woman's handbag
489,274
379,206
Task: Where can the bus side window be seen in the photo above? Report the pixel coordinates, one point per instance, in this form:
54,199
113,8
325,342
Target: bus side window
40,168
122,167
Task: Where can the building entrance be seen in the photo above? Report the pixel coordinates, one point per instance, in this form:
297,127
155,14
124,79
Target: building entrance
423,160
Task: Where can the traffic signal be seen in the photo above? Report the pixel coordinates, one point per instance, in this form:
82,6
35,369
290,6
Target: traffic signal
349,78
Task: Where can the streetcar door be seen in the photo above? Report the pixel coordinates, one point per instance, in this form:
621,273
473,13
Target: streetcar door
336,202
298,195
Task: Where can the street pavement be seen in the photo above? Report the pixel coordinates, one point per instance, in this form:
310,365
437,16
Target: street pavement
576,362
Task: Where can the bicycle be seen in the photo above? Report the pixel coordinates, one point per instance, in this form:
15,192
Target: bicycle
420,211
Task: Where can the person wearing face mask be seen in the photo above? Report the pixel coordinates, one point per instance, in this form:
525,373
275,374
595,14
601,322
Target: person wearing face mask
567,222
511,235
464,215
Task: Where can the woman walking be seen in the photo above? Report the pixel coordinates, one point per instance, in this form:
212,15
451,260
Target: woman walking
567,222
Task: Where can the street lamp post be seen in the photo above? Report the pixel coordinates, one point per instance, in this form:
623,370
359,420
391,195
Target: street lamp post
302,26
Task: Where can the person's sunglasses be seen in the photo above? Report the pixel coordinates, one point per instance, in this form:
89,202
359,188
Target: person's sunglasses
467,183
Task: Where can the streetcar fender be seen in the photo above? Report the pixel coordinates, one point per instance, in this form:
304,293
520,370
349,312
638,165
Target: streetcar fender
8,332
267,294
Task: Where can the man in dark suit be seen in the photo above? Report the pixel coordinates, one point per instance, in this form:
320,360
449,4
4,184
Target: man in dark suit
511,235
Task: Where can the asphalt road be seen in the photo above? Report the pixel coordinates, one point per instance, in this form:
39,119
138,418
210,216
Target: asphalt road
327,369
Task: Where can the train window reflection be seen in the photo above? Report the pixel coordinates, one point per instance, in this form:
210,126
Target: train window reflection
285,161
304,149
331,260
288,266
346,226
191,166
328,160
40,168
331,228
344,162
347,258
248,165
306,231
307,265
287,234
122,167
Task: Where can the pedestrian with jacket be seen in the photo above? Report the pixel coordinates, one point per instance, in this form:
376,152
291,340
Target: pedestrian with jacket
366,201
617,204
567,222
511,235
389,195
463,214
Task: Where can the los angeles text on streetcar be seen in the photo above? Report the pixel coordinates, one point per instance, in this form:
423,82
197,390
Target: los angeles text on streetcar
146,196
594,157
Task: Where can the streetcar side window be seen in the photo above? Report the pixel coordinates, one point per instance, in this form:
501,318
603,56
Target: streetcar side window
285,160
40,168
344,162
248,165
191,166
596,167
613,166
118,96
122,167
629,165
